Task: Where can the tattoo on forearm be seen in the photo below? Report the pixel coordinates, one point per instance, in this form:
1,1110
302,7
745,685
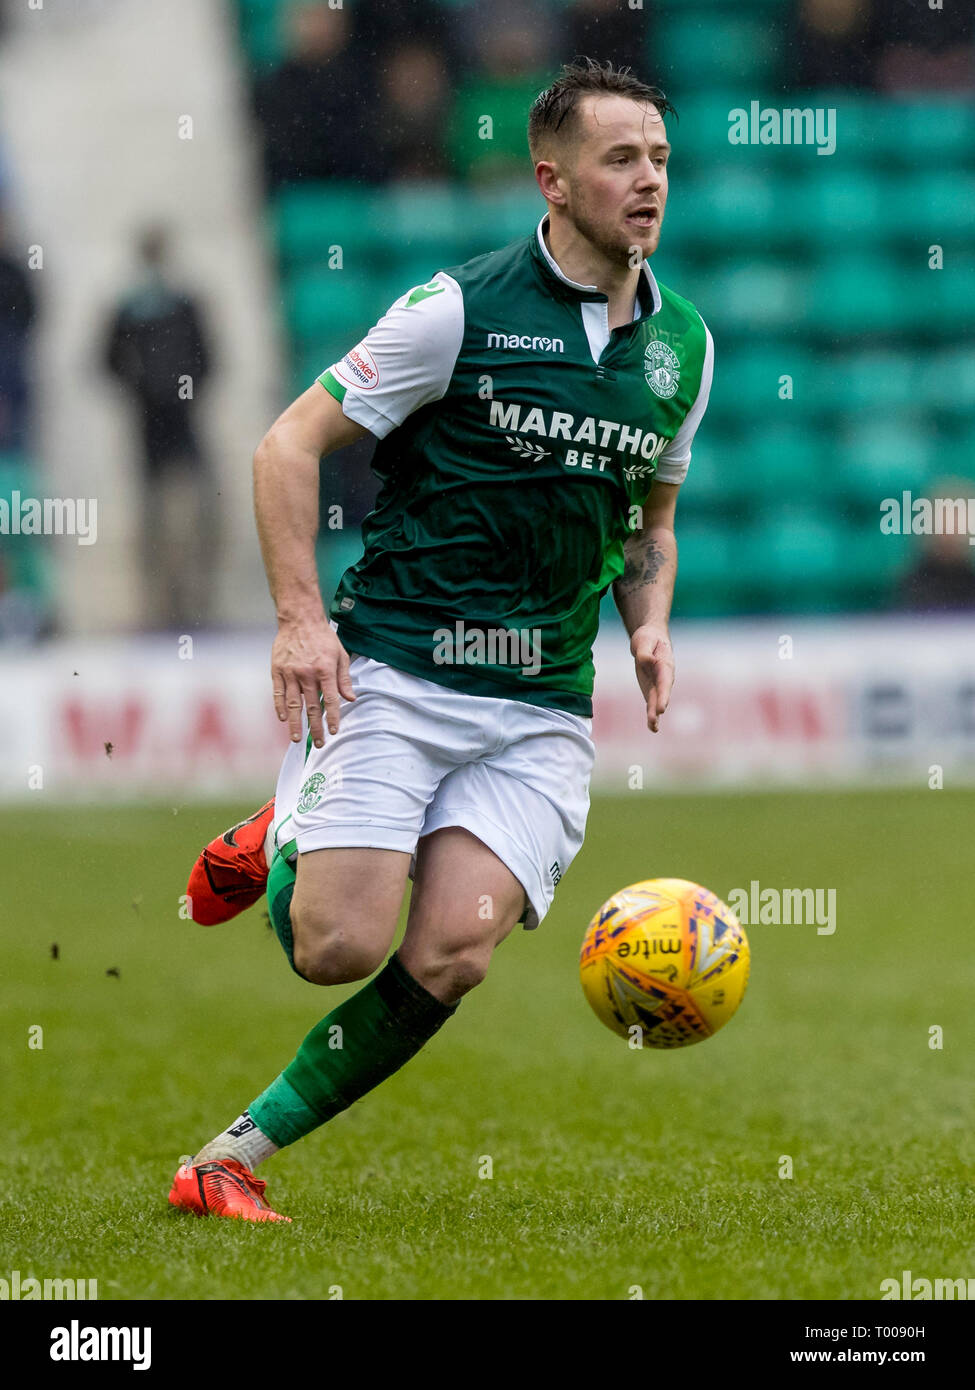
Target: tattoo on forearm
642,569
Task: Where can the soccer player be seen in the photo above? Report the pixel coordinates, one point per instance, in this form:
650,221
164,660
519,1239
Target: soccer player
535,409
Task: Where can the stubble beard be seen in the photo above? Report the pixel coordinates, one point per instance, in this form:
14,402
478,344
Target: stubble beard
614,250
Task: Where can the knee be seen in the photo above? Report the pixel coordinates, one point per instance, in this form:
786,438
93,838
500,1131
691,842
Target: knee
449,975
327,952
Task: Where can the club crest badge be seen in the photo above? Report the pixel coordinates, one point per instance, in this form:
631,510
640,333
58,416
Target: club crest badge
662,370
311,793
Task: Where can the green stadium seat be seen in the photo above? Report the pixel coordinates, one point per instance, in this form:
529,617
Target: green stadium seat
717,478
25,561
308,219
747,379
704,48
882,456
328,304
954,451
709,564
498,215
945,379
924,132
942,202
16,474
729,207
707,7
751,296
700,134
424,220
858,295
795,557
784,460
262,31
840,202
864,380
946,298
507,104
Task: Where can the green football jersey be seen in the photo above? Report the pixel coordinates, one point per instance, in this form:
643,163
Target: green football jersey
517,434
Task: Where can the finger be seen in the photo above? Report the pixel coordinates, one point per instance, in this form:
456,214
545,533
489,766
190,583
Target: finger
293,707
280,705
653,711
665,684
346,688
314,706
330,692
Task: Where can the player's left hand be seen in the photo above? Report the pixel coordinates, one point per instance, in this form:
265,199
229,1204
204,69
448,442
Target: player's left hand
654,659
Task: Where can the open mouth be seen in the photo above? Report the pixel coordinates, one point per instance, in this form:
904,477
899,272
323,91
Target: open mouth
643,217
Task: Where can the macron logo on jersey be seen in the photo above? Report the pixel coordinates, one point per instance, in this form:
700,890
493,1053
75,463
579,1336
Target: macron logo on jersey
524,340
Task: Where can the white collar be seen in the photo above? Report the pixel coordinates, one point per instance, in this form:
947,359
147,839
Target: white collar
553,264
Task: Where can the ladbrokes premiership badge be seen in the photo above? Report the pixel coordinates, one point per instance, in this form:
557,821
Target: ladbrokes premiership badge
662,370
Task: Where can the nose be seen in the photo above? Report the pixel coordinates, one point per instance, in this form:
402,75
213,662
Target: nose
649,176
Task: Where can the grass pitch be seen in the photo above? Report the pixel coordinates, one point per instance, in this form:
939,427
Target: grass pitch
612,1168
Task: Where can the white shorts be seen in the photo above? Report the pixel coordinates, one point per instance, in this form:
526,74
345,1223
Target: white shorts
411,757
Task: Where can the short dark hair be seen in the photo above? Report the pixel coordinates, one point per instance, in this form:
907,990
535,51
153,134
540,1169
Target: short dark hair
555,111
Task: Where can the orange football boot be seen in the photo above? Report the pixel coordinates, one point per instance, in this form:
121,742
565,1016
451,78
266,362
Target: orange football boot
221,1187
231,873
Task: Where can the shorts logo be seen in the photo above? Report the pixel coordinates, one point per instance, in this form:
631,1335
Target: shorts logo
358,368
312,792
555,871
662,370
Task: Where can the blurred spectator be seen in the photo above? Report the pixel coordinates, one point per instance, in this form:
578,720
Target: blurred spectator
943,578
928,50
315,116
383,26
156,347
836,43
897,46
414,100
17,314
515,50
609,30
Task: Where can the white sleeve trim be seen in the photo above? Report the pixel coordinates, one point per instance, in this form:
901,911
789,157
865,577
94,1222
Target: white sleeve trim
673,463
406,360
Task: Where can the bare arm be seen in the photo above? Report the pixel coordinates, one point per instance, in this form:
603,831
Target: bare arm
643,595
307,659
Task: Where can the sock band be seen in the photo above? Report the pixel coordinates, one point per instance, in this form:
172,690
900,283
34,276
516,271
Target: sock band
413,1006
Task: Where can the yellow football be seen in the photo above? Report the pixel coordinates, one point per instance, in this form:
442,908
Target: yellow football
664,963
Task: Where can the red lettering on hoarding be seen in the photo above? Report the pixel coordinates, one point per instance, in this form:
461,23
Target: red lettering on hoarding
209,734
89,727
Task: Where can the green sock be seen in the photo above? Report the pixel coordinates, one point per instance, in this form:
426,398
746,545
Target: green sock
360,1043
280,890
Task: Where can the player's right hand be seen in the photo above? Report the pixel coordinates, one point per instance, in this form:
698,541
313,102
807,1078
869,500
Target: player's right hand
309,670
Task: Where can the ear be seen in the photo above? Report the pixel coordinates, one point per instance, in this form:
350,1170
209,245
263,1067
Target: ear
550,182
